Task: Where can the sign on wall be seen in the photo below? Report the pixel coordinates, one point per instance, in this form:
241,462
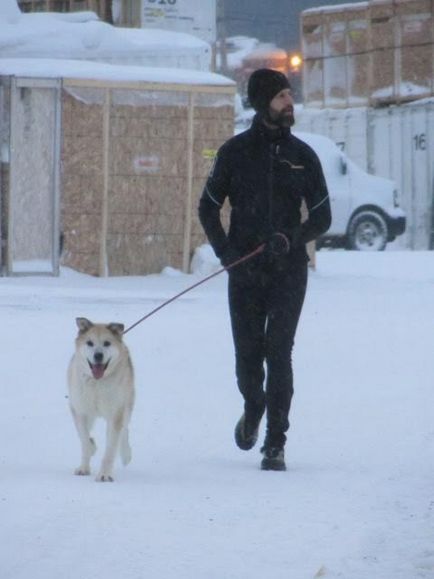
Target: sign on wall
196,17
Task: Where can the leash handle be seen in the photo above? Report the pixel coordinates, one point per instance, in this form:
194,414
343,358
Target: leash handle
256,251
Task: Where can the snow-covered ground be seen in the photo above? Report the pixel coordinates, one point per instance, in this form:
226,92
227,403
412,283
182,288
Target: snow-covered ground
357,499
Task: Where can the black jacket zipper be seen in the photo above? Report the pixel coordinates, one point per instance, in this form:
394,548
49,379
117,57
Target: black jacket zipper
274,151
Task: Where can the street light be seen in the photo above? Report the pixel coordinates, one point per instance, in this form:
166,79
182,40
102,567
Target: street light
295,62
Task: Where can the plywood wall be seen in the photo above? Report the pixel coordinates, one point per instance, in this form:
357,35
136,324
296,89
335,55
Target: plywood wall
146,188
368,53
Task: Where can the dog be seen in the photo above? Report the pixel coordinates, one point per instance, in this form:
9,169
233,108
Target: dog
101,384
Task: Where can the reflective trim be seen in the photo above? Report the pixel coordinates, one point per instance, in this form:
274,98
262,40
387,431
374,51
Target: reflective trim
211,197
318,204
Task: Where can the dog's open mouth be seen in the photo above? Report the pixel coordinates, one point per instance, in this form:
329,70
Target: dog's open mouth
98,369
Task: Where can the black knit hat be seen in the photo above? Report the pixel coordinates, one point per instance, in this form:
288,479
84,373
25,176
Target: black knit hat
264,84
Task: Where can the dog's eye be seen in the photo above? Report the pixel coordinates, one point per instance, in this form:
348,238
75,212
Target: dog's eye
89,343
107,344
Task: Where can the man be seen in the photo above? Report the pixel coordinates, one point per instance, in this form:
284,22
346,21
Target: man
265,173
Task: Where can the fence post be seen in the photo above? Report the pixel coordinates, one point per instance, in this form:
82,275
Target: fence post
103,258
189,191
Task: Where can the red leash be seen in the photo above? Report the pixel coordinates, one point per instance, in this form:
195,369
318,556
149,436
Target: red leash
258,250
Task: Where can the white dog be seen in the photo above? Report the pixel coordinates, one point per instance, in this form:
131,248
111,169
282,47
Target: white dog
101,384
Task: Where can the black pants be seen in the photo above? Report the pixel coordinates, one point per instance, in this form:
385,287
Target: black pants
265,305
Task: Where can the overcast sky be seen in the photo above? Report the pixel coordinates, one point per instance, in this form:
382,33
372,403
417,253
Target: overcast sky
276,21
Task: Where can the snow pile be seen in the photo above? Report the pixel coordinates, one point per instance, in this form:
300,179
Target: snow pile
9,12
79,45
83,36
204,261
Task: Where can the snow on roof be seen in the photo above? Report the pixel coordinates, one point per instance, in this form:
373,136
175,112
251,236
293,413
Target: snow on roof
82,34
54,68
265,50
337,7
79,45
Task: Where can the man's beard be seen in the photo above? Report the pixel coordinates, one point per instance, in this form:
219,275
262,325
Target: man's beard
284,118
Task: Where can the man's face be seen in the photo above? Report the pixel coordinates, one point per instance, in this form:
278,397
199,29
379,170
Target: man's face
281,109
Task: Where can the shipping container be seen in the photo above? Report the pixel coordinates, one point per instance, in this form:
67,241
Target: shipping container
396,142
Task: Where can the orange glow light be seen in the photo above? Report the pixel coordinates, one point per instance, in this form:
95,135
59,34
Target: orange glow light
295,61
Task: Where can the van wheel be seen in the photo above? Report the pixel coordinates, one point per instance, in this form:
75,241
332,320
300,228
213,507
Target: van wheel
367,231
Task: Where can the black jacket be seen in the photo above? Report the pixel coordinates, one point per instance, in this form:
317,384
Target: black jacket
265,174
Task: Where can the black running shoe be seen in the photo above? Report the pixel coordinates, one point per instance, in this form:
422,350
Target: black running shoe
273,458
246,431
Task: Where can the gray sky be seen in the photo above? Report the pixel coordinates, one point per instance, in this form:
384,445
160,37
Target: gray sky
272,21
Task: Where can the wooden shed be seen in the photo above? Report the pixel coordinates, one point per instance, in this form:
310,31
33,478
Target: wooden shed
133,157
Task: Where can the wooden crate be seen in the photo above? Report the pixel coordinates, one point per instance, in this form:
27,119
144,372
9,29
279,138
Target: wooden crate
375,53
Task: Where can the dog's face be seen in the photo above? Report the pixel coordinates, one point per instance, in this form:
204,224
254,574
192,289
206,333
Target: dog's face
99,345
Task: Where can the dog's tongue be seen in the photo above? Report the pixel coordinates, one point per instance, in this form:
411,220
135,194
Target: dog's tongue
98,370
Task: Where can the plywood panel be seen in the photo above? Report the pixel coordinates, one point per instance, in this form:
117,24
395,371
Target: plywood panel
147,178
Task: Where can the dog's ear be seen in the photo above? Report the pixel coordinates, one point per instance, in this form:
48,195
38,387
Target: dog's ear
83,324
117,329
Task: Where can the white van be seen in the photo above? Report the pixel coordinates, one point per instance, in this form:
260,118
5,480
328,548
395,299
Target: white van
365,210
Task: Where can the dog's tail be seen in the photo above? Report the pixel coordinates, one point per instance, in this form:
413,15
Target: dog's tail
125,448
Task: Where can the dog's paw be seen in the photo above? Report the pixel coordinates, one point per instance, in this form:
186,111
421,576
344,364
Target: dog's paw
102,477
80,471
